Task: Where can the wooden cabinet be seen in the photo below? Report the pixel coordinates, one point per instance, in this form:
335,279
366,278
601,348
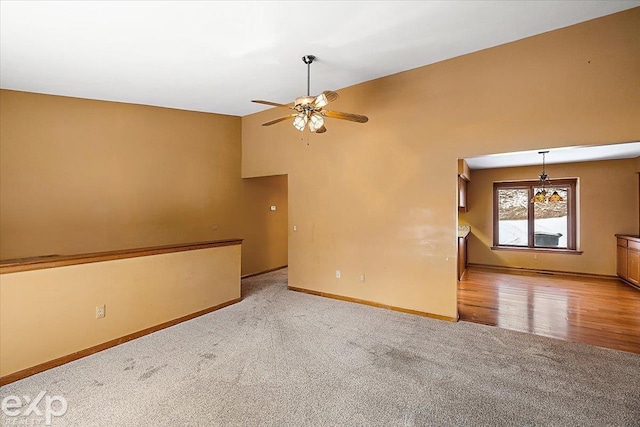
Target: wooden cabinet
462,256
464,176
633,273
621,261
462,193
628,259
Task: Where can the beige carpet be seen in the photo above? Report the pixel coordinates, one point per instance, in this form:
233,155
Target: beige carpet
282,358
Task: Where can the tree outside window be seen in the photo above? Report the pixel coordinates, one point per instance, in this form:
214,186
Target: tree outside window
520,223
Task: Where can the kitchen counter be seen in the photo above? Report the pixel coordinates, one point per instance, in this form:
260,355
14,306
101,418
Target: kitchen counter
628,259
629,237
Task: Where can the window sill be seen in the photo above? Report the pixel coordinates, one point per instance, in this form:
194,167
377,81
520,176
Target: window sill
550,250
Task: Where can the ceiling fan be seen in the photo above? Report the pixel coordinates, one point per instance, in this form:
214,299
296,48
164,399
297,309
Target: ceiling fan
308,110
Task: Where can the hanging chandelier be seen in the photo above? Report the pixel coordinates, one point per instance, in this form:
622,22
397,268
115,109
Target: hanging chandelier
541,194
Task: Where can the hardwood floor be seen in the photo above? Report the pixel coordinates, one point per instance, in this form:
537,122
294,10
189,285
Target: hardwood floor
602,312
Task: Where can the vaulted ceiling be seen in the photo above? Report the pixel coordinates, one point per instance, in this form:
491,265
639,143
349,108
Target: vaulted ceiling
216,56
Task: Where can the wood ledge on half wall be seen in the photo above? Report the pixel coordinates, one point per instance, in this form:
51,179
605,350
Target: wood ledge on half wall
51,261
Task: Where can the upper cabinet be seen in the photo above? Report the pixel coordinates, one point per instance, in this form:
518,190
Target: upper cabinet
462,193
464,176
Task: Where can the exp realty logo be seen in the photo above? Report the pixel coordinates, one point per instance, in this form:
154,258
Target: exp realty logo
28,411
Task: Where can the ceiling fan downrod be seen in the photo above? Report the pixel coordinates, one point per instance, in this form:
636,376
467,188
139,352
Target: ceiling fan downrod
308,59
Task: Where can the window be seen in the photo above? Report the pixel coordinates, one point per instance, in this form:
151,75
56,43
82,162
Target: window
518,223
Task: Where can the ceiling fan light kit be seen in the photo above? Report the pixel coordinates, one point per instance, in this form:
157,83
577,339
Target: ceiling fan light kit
309,109
299,122
315,122
321,100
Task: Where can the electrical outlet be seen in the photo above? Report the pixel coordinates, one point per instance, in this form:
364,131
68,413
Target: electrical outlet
100,311
337,274
362,277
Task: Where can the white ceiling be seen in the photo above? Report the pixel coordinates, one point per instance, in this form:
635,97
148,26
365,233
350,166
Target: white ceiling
556,155
216,56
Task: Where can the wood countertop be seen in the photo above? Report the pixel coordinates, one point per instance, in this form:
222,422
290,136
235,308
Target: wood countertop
633,237
463,231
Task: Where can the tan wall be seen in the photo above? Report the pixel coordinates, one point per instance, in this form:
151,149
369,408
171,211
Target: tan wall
46,314
80,176
264,231
607,204
380,198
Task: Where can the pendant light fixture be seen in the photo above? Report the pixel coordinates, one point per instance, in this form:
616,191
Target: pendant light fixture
541,194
